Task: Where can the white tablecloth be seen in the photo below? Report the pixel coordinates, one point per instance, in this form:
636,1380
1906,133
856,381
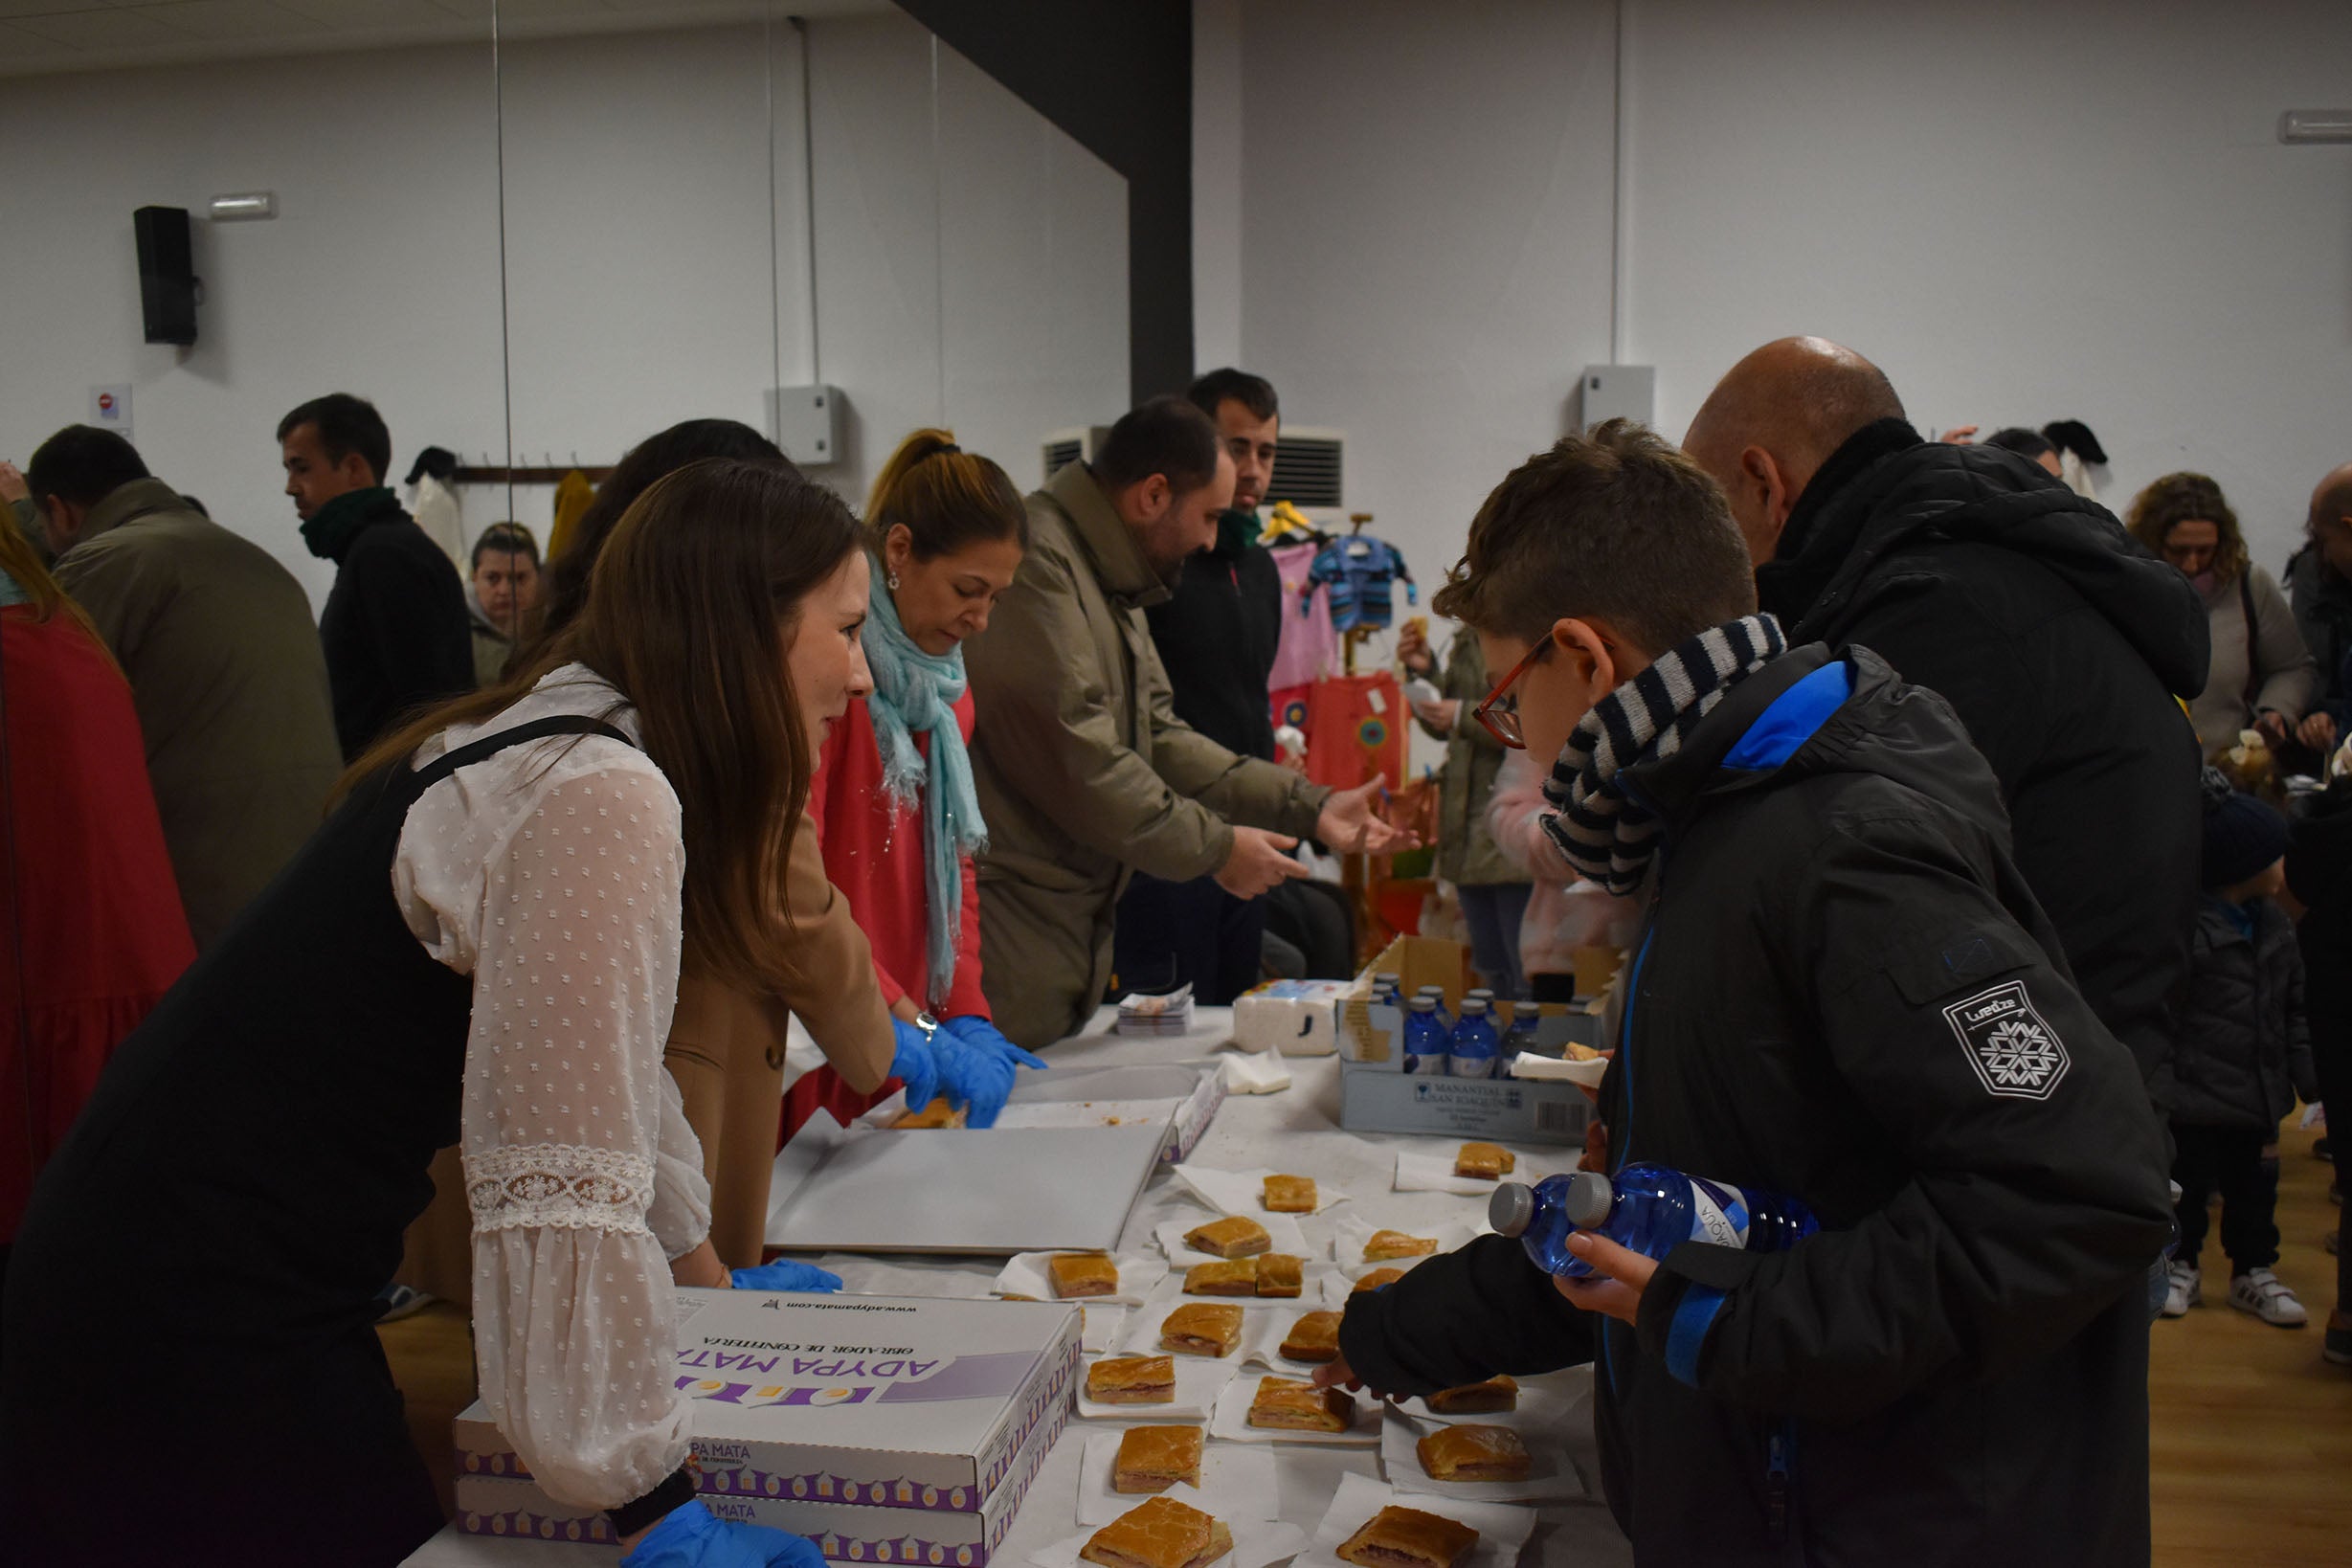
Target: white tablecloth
1296,1131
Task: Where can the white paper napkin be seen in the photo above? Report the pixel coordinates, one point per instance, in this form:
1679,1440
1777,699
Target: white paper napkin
1243,1191
1257,1543
1502,1529
1435,1174
1551,1474
1231,1421
1262,1334
1350,1232
1560,1069
1281,1228
1199,1380
1237,1484
1100,1328
1027,1275
1141,1337
1255,1072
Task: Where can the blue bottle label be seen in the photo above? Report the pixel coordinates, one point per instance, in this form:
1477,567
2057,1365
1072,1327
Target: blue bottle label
1718,1214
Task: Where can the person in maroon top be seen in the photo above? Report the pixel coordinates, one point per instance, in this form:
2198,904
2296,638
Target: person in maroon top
893,797
92,932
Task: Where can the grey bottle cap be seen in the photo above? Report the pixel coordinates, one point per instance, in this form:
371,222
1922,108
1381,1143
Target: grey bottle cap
1481,993
1424,1004
1472,1005
1511,1207
1437,991
1588,1199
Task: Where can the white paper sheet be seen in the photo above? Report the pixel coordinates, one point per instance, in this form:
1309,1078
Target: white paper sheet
1281,1228
1026,1275
1435,1173
1100,1328
1557,1069
1351,1230
1199,1380
1255,1072
1262,1334
1243,1191
1552,1476
1231,1423
1502,1529
1237,1484
1339,1286
1257,1543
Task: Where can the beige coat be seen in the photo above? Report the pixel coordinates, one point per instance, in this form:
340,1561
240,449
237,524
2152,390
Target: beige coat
1086,775
230,686
2280,672
726,1050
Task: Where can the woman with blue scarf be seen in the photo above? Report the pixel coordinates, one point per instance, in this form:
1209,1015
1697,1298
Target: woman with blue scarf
893,796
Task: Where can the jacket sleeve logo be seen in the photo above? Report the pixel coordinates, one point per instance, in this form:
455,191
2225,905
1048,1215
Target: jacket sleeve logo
2015,1053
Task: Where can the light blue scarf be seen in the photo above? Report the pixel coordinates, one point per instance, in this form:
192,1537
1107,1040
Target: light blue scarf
918,691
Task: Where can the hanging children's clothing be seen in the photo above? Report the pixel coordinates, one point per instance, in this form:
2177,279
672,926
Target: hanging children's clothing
1358,575
1353,731
1308,647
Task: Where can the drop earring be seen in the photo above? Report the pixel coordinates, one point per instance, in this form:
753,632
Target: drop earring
890,578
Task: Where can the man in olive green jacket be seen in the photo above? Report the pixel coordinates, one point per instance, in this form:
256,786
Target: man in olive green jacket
1084,773
224,663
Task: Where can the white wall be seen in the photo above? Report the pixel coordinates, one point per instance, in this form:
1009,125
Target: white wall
2025,213
642,284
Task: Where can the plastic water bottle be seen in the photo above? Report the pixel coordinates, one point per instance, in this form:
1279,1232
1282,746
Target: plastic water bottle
1437,995
1520,1038
1646,1208
1426,1043
1388,990
1473,1047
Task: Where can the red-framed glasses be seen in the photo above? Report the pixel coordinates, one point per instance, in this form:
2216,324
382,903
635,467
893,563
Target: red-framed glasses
1500,711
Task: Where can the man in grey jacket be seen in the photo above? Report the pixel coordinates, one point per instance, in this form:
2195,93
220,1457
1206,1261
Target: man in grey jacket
224,664
1086,775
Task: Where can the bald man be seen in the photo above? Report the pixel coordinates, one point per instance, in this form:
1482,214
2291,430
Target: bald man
2320,585
2060,643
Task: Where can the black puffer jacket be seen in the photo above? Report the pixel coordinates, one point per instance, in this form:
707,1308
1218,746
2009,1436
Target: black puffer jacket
2245,1041
2060,643
1848,993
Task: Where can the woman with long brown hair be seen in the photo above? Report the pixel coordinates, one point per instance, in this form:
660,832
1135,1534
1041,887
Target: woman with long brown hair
481,944
893,800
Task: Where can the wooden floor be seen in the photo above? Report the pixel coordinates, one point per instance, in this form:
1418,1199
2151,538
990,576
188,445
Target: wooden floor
2250,1441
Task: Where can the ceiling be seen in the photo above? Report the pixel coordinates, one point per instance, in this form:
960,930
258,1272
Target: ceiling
38,37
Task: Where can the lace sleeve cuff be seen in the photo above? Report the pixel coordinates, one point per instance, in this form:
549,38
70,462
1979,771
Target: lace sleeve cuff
568,1186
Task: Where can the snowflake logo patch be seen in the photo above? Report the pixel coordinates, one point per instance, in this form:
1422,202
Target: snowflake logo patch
2015,1053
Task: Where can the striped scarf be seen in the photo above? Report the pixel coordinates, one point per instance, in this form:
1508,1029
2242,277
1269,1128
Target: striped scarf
1600,830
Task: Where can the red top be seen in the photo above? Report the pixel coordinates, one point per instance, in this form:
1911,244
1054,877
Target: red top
874,856
106,936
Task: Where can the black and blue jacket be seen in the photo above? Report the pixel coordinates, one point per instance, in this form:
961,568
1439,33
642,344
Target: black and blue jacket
1847,994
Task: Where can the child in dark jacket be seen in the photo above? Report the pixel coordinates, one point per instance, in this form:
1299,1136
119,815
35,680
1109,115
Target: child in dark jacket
2241,1056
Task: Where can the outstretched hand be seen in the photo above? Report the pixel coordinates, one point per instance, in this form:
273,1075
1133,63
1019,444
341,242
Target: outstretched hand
1615,1290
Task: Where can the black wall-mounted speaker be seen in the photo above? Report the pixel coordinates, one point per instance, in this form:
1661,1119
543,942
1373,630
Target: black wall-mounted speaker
166,275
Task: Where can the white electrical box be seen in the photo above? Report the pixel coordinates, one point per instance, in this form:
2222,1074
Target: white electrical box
806,423
1619,392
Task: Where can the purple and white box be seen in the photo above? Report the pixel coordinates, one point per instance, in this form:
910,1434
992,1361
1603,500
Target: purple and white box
880,1401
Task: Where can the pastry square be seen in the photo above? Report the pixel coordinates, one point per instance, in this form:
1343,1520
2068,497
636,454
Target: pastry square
938,1113
1077,1274
1232,1237
1285,1404
1155,1458
1473,1453
1237,1278
1484,1160
1395,1243
1475,1399
1314,1338
1375,1279
1202,1330
1406,1537
1161,1534
1289,1195
1280,1274
1132,1380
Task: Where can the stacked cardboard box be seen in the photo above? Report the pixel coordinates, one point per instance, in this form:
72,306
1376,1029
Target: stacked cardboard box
886,1430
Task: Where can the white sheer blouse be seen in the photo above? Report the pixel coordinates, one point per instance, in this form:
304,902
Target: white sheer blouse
552,873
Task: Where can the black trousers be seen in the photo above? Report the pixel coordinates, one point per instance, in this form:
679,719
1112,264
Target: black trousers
1171,933
2227,1160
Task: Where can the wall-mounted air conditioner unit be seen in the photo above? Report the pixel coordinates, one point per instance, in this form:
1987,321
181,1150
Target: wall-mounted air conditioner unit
1308,464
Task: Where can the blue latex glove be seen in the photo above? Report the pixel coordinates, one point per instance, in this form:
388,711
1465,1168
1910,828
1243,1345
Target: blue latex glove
784,1274
689,1538
916,1064
975,1056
